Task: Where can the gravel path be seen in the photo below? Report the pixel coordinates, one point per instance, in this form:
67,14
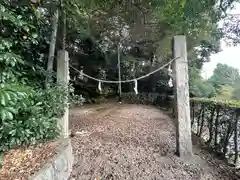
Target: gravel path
133,142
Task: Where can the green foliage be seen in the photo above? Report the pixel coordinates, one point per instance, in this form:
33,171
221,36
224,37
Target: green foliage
231,29
28,113
163,19
221,103
236,90
141,98
224,82
147,98
236,93
199,87
225,93
30,117
224,75
76,100
10,96
22,46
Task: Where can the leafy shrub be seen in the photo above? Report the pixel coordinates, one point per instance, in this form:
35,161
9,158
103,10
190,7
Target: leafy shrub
76,100
100,100
53,100
147,98
222,103
27,114
9,96
28,117
141,98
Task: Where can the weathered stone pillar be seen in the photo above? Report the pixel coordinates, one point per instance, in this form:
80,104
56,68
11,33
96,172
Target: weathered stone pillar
181,95
63,78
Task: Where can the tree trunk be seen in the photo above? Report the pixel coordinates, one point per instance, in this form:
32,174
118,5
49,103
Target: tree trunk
193,113
216,128
63,27
236,138
119,75
211,126
151,77
202,123
198,120
227,137
132,74
52,45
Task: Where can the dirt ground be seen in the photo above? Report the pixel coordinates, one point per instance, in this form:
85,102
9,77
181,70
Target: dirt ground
22,163
134,142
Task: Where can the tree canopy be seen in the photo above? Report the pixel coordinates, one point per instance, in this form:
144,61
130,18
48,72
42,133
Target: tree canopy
224,82
91,30
224,75
31,32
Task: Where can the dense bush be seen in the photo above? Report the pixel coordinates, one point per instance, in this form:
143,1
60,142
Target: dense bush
147,98
217,123
141,98
29,116
222,103
28,113
76,100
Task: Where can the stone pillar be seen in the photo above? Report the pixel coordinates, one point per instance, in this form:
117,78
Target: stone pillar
63,79
181,95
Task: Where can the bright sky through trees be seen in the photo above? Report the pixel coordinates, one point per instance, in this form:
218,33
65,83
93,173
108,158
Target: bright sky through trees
228,55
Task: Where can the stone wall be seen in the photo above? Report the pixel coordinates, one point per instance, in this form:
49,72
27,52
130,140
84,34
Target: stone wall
60,166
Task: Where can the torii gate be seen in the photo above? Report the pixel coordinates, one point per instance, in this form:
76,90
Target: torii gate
181,95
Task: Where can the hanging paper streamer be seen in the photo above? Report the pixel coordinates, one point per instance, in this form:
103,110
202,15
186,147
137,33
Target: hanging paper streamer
135,88
170,82
99,86
169,70
81,75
